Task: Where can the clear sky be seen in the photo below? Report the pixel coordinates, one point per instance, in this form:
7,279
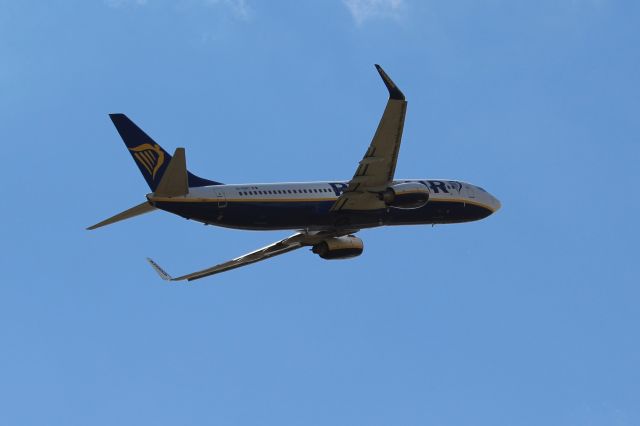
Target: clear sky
529,317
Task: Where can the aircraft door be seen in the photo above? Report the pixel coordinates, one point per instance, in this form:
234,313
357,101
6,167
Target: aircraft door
222,200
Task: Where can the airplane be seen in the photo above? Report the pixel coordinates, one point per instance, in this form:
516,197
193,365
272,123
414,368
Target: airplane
326,215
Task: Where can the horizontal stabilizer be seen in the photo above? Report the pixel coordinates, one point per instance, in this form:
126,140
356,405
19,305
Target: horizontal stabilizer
174,182
127,214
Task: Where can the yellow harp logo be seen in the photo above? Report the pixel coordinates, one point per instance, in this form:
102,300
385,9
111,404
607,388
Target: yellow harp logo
150,156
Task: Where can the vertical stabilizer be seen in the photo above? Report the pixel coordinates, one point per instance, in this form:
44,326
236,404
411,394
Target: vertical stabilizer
151,158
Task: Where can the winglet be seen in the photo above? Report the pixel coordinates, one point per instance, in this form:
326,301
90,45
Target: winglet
394,92
159,270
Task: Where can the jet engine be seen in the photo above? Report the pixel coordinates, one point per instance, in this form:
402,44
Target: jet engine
339,248
409,195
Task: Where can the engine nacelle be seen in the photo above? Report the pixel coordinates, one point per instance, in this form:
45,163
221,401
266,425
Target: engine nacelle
410,195
339,247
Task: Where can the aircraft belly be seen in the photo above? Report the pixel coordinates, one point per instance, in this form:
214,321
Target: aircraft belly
294,215
254,215
438,212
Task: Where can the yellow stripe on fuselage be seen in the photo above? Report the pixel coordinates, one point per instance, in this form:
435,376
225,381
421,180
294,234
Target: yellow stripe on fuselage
232,200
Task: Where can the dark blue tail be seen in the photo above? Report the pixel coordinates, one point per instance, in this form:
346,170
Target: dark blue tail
151,159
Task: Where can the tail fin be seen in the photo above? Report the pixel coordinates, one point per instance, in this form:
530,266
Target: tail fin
151,159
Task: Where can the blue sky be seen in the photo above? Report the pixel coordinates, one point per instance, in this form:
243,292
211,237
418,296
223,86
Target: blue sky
529,317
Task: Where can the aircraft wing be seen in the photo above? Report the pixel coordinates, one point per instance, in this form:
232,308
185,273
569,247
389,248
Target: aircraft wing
375,171
296,241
